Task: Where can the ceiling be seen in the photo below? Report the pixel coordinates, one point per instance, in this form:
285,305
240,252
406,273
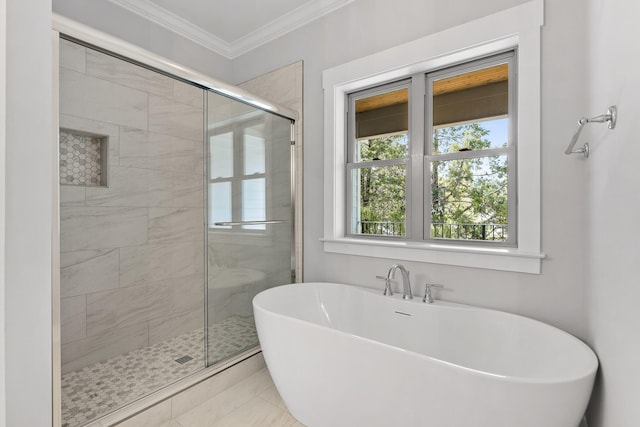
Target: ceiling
231,27
460,82
482,77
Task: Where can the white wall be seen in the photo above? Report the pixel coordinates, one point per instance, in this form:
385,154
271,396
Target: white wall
614,208
118,22
557,295
3,80
28,213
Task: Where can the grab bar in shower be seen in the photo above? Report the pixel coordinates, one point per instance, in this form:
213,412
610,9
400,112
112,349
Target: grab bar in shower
231,223
609,118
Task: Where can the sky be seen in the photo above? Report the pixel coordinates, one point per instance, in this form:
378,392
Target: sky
498,131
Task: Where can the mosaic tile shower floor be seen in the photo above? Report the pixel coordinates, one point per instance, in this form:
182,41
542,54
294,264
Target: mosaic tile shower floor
98,389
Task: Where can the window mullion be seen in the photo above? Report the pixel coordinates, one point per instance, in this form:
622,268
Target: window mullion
427,119
379,163
238,171
512,174
415,178
350,131
350,134
488,152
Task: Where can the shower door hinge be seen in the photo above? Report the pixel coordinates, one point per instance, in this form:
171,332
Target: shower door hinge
293,134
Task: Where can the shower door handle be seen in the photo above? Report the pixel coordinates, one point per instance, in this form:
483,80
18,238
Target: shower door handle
268,221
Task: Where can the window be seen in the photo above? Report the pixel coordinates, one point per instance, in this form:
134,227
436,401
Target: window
400,123
378,158
471,152
468,151
237,175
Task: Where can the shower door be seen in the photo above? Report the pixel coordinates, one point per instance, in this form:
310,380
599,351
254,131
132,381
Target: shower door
250,218
132,276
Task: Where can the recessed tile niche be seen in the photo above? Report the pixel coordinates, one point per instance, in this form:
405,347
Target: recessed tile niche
83,158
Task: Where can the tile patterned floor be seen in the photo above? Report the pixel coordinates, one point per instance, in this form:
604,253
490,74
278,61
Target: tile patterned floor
253,402
266,409
98,389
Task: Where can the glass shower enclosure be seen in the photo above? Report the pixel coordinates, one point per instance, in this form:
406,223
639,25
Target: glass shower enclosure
176,209
250,218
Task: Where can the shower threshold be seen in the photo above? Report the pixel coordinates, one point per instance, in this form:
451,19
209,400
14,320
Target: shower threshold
98,389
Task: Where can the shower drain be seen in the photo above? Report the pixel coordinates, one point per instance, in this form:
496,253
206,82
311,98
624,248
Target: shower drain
184,359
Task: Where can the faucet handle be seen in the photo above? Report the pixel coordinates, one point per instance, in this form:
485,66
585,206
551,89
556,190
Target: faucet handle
387,285
427,292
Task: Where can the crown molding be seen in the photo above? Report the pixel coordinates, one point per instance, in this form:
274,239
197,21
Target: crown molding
172,22
288,22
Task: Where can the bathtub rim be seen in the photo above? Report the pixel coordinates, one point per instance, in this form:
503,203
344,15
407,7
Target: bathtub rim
439,304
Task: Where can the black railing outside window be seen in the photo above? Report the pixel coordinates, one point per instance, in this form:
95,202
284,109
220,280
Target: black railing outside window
381,228
494,232
439,230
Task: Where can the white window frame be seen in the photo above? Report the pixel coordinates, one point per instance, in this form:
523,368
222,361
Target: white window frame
515,28
237,130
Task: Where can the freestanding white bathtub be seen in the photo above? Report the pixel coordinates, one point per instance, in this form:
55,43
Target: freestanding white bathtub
343,355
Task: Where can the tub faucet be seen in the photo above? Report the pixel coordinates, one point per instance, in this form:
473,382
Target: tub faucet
387,285
428,298
406,284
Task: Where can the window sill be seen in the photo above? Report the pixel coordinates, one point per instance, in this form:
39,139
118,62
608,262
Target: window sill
504,259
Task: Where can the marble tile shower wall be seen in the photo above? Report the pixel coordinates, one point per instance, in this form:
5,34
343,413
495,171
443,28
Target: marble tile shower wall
132,254
284,86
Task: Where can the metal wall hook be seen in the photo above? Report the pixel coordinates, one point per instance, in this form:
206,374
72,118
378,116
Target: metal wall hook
610,118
